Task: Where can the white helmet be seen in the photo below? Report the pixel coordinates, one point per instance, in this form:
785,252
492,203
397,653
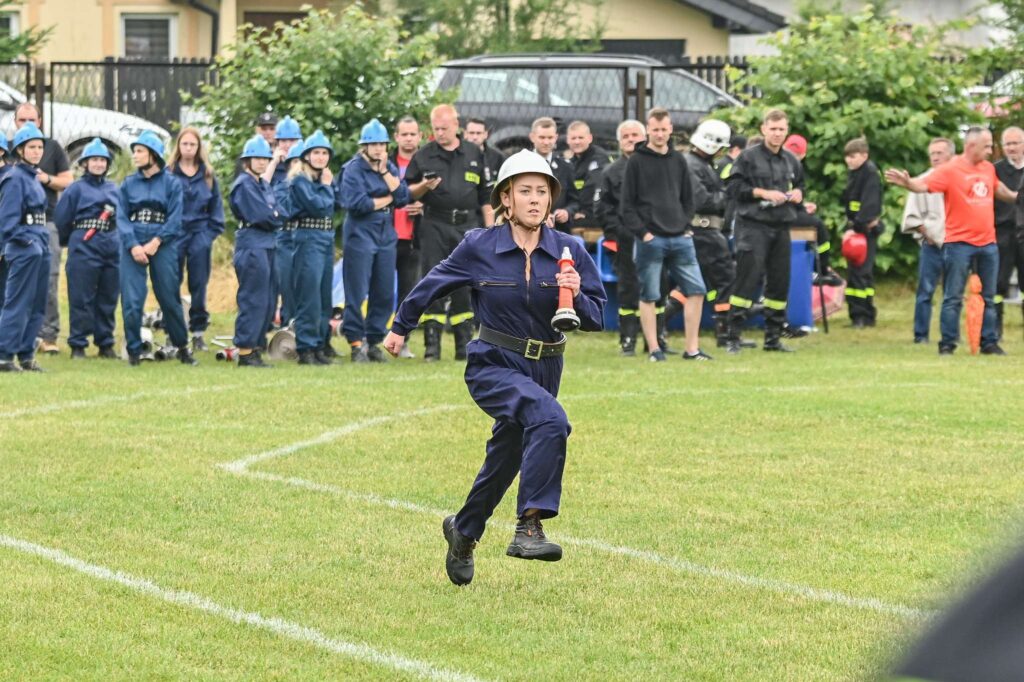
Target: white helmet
520,163
711,136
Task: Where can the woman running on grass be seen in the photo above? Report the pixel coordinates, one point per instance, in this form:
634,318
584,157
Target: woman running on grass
515,367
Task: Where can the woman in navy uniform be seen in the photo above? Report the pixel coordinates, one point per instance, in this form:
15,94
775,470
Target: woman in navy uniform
202,221
5,168
26,250
515,367
311,198
149,227
253,205
85,221
287,139
370,192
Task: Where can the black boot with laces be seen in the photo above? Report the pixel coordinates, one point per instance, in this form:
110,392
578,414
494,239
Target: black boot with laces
458,562
531,543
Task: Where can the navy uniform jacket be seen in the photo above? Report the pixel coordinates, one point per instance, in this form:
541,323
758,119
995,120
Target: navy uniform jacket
162,193
83,200
254,205
709,188
22,195
489,261
310,199
361,184
201,205
607,199
463,178
862,198
568,198
587,170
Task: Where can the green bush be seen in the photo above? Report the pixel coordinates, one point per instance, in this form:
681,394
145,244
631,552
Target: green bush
843,76
329,71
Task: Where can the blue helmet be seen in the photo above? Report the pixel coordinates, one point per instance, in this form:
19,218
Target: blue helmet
287,129
94,149
153,143
4,147
374,131
296,151
27,132
256,148
316,141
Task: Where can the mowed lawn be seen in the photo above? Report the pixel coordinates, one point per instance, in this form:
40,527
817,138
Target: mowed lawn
759,517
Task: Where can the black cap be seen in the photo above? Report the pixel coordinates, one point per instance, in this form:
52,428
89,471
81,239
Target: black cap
267,118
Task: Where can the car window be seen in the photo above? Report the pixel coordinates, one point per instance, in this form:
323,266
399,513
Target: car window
675,92
585,87
500,85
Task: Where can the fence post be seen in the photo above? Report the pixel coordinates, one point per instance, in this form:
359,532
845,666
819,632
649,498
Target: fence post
109,100
39,93
641,95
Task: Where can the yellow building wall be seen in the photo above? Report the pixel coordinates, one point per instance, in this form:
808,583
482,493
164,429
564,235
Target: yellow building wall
663,20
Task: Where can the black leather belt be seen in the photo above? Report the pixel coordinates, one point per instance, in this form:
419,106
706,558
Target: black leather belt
324,223
147,215
34,218
262,227
708,222
94,224
386,209
452,216
530,349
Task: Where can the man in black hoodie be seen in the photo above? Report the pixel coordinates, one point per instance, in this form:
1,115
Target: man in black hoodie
862,201
766,185
657,207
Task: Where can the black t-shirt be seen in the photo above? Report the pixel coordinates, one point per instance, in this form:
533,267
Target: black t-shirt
462,172
55,161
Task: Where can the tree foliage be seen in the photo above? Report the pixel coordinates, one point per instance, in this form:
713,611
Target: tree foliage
471,27
1008,57
24,45
329,71
844,76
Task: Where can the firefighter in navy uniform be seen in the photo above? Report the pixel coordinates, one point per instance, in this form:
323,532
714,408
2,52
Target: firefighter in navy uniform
713,255
85,221
448,176
606,200
589,162
287,136
862,201
514,369
766,183
26,251
544,137
254,206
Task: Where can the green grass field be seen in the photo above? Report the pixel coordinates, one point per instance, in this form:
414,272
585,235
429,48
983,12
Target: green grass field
760,517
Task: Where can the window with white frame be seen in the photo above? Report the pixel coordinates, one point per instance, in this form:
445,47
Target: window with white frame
9,24
148,37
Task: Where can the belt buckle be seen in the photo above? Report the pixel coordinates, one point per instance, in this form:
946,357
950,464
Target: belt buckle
704,222
530,354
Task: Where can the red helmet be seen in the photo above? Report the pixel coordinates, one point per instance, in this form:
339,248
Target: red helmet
855,248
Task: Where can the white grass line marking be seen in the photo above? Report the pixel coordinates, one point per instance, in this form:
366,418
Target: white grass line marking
183,392
240,465
284,628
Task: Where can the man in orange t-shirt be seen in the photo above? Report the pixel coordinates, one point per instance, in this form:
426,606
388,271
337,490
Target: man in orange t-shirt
970,186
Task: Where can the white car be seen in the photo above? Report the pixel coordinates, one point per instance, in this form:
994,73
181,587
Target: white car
77,125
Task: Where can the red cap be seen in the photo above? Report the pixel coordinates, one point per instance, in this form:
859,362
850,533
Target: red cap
796,144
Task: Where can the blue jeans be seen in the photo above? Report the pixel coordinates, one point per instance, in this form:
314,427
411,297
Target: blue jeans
369,274
929,271
675,253
956,260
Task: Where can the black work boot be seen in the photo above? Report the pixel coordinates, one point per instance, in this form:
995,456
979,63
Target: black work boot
672,308
999,321
773,343
375,354
463,335
321,357
134,360
30,365
531,543
307,357
9,366
431,341
360,354
458,562
186,358
627,335
722,329
198,344
107,353
78,354
327,350
253,359
659,322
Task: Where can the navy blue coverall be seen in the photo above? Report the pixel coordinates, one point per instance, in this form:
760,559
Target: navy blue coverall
284,255
202,221
148,208
371,248
26,249
92,266
530,427
4,170
312,206
254,206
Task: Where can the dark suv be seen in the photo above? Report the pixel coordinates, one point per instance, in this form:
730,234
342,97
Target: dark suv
510,91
